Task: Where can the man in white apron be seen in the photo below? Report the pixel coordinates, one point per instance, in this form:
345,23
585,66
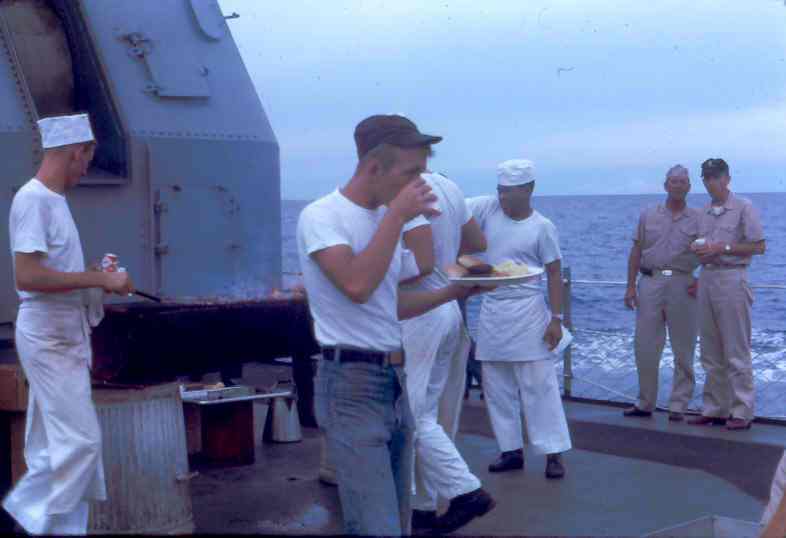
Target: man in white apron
437,346
516,331
62,435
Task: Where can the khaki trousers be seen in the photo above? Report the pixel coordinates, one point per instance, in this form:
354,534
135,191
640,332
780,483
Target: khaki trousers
664,304
725,302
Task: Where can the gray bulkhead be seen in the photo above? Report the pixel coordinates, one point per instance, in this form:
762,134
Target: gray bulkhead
185,186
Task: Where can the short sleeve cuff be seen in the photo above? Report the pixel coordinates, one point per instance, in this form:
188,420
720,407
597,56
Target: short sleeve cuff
322,245
417,222
29,245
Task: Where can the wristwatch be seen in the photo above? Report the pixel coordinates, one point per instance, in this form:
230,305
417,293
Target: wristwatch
727,248
556,316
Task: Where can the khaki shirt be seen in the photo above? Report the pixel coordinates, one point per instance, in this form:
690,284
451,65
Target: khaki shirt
665,239
739,222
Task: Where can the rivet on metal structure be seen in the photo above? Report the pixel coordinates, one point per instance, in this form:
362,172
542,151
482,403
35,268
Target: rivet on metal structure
21,86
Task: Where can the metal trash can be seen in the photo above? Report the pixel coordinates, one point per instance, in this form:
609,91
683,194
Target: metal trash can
711,527
145,462
283,423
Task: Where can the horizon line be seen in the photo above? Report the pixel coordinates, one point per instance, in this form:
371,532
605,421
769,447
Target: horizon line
581,195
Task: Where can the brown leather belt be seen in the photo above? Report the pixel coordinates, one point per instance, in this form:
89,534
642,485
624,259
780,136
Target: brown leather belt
343,354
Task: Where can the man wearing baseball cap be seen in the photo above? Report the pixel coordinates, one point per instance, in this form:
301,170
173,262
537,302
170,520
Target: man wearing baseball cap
62,435
517,332
730,235
350,250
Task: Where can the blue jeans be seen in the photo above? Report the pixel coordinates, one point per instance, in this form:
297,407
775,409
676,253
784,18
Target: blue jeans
364,412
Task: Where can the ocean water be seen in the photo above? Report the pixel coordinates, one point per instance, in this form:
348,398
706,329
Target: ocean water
595,236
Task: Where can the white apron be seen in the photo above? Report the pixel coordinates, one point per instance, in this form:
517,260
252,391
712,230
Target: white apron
62,434
511,325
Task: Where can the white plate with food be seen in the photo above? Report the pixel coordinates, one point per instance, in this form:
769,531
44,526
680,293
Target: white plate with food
471,272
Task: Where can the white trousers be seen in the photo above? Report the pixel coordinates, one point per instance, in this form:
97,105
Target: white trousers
62,434
437,348
530,389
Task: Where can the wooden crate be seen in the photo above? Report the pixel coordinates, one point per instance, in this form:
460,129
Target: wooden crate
12,449
13,388
18,466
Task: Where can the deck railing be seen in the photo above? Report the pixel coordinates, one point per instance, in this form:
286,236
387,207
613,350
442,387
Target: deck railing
567,360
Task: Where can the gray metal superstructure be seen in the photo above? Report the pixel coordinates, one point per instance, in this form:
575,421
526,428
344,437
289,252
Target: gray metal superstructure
185,187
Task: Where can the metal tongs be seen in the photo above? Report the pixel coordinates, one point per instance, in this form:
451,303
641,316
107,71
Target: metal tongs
148,296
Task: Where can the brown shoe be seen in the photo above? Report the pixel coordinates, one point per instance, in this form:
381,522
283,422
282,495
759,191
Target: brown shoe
676,417
738,424
704,421
636,412
508,461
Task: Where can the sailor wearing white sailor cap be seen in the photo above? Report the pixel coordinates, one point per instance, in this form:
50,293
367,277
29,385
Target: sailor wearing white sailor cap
517,333
62,435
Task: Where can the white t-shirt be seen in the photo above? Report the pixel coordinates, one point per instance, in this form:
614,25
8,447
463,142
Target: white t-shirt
335,220
41,221
533,241
513,319
445,228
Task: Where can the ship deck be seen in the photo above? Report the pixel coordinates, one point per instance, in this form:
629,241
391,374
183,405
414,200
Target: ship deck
625,477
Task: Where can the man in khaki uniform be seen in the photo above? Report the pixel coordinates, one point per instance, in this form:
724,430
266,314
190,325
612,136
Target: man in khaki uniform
730,235
662,253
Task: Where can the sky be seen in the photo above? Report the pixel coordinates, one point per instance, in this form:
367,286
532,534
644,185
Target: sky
604,96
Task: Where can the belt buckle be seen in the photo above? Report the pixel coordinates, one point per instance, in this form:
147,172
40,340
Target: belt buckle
395,358
667,272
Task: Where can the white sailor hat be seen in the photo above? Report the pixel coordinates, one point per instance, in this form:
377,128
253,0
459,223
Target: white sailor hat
515,172
61,131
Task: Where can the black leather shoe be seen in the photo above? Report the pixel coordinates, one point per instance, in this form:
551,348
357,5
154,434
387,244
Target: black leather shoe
464,509
636,412
508,461
675,416
424,521
554,466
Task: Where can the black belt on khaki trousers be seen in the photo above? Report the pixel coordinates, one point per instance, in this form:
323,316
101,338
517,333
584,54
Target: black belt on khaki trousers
343,354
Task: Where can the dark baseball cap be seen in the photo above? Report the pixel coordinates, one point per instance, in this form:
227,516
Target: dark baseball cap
390,129
714,168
